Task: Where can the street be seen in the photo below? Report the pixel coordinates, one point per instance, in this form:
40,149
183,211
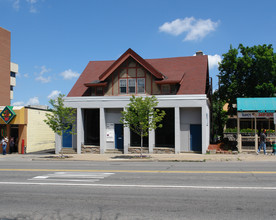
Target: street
137,190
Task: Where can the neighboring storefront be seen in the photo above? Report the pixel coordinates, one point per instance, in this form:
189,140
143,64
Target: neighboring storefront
255,114
181,85
26,126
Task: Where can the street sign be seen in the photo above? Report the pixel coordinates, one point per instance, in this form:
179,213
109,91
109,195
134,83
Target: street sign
7,114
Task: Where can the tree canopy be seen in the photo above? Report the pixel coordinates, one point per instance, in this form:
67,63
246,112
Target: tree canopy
219,116
61,118
247,72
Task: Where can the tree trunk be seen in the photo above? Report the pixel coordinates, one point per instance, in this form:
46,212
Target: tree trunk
141,151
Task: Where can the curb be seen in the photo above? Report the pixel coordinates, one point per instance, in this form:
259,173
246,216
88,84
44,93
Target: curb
119,160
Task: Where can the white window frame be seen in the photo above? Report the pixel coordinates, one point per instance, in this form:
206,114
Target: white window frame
138,87
132,86
125,86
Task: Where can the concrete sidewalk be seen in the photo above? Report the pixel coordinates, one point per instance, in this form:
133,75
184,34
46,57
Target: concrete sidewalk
183,157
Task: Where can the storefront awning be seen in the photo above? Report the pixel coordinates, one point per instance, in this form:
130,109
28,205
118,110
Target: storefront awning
256,104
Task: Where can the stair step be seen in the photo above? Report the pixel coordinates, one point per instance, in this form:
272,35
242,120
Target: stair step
67,151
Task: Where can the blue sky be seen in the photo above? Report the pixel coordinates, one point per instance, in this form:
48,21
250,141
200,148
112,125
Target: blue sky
53,40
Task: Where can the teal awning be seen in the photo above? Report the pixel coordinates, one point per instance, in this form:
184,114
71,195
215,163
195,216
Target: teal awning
256,104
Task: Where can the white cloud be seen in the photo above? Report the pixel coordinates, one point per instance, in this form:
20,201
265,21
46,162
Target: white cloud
54,94
16,5
69,74
44,70
194,29
32,4
42,78
33,101
213,60
177,26
19,103
32,1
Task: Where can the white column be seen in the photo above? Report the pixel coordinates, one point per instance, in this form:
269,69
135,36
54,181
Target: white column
80,132
151,141
177,130
204,127
126,139
102,131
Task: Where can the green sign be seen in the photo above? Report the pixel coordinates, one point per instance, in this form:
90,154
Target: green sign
7,114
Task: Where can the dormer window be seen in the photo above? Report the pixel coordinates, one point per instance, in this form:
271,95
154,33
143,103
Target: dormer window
165,89
140,85
123,86
96,88
168,87
131,86
132,78
97,91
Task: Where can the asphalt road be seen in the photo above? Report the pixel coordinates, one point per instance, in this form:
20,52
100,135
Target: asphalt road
137,190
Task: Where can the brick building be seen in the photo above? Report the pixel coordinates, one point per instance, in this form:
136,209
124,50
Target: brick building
24,124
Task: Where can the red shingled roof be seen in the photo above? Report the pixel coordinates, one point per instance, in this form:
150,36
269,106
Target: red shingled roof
191,72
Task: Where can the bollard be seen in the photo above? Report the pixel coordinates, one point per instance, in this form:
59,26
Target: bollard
22,147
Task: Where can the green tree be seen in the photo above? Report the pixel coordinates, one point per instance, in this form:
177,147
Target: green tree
219,116
247,72
141,116
61,118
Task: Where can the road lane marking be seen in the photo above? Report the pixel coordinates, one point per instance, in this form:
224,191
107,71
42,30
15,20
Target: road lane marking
72,180
142,186
72,177
144,171
41,177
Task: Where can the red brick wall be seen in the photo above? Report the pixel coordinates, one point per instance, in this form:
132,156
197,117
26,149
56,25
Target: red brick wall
5,55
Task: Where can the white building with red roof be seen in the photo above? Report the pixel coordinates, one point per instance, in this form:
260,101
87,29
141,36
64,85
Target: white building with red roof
181,84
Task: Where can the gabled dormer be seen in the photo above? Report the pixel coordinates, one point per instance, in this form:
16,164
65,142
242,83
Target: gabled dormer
128,75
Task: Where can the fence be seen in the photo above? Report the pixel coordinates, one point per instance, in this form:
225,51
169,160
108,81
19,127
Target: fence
251,143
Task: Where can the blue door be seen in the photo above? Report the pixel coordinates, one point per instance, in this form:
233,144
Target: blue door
195,138
119,139
67,138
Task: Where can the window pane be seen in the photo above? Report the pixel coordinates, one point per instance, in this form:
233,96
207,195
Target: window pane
131,85
123,86
165,89
131,82
99,91
122,82
141,85
93,91
123,90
